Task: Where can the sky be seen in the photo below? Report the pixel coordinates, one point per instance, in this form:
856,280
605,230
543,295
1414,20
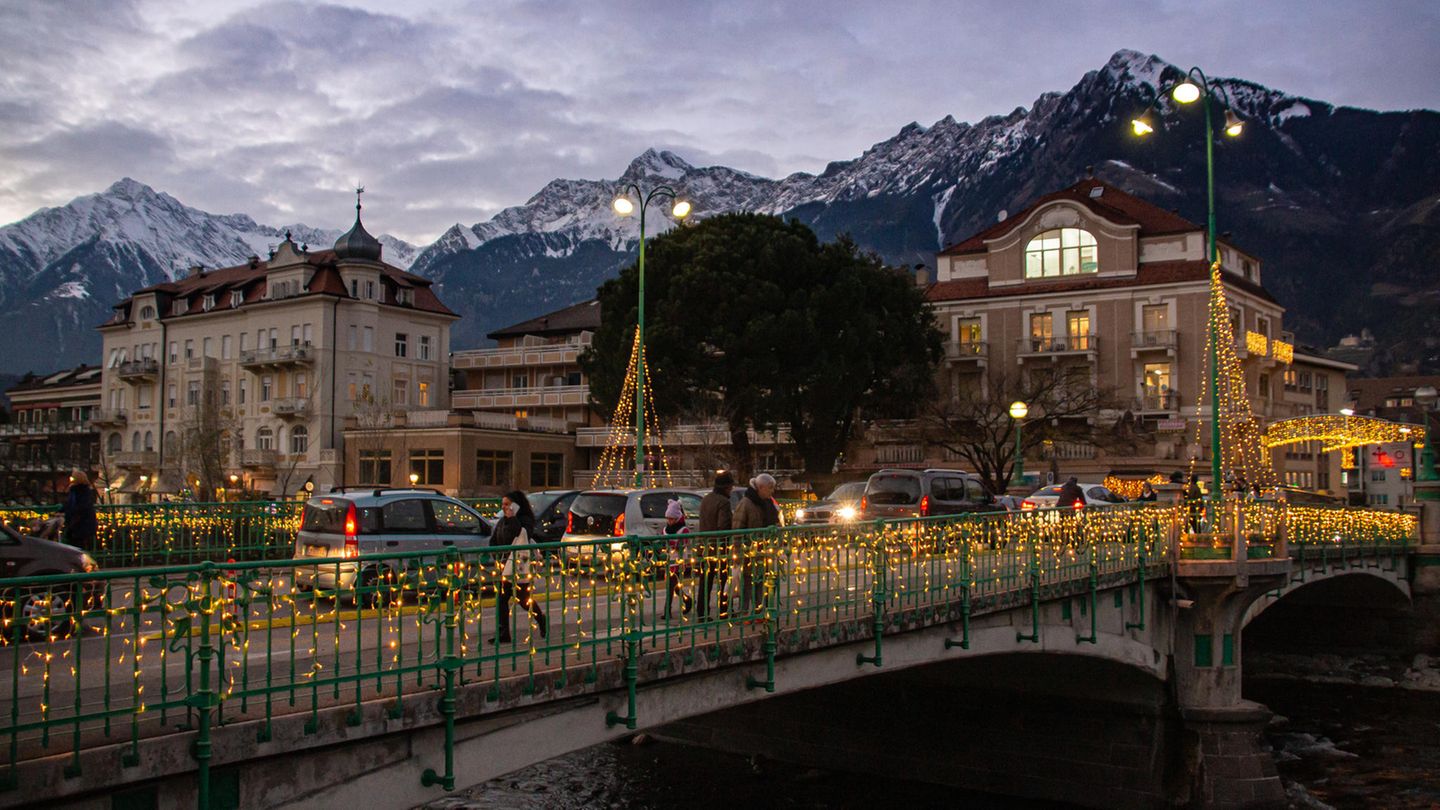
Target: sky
448,111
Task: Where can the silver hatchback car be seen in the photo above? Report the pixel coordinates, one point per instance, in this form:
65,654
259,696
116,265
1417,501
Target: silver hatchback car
337,527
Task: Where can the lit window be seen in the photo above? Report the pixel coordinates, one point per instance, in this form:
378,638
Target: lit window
1061,252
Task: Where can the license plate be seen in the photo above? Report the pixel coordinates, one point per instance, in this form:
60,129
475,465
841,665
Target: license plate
317,551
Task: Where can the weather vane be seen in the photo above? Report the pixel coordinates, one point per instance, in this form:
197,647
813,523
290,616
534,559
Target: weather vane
358,191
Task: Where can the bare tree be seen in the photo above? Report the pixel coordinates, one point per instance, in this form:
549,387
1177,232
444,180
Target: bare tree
976,425
206,434
373,420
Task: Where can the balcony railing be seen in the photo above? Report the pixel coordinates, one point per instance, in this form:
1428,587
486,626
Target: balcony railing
291,406
712,435
1168,402
258,458
1072,451
1156,339
293,355
1059,345
966,350
554,354
530,397
108,416
139,370
45,428
139,459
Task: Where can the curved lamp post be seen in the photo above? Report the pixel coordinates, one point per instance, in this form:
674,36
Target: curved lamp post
1196,87
1018,411
625,207
1426,396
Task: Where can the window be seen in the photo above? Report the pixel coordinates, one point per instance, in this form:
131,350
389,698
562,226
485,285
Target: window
174,352
302,387
452,518
170,395
404,516
240,393
244,342
424,347
400,343
224,392
1155,318
369,344
207,303
267,387
375,467
1061,252
1264,386
189,349
264,439
114,444
307,334
1155,387
149,441
192,393
237,297
422,396
350,337
547,470
400,392
299,440
369,291
208,347
144,397
968,331
225,347
147,312
181,306
428,465
274,339
520,379
354,288
295,335
1077,326
1377,475
1042,332
492,468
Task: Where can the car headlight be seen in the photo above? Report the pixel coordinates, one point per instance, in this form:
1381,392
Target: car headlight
617,547
846,513
88,564
799,514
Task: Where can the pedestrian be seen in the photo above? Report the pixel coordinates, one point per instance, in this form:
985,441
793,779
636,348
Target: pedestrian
79,510
1070,494
757,510
1255,492
514,528
716,516
1147,492
1193,503
677,547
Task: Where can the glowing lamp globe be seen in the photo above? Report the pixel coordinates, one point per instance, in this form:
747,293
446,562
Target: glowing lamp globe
623,206
681,209
1018,410
1233,125
1186,93
1142,126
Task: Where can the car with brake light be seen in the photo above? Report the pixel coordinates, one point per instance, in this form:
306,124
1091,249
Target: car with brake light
925,493
598,517
842,505
1048,497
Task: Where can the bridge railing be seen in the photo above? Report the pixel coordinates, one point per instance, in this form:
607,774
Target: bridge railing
120,655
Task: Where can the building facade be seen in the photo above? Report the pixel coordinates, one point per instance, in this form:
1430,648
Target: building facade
50,435
1313,384
1381,475
242,377
1107,292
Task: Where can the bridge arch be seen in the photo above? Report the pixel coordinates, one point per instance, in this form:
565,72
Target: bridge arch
1335,607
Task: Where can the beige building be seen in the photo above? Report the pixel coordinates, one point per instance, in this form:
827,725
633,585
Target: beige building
1312,384
1101,287
274,355
49,435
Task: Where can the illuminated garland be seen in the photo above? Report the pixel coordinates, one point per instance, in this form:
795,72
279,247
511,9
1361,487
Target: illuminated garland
1338,432
616,464
1130,488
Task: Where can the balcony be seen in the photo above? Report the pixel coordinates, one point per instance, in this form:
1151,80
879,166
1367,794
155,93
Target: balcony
551,354
1058,346
139,371
108,417
137,460
1158,403
977,351
255,458
1166,340
292,408
554,396
45,428
300,354
693,435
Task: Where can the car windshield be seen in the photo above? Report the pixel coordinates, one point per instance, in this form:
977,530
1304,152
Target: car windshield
847,492
595,512
893,489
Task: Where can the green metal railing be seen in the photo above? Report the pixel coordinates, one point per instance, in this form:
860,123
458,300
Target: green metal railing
121,655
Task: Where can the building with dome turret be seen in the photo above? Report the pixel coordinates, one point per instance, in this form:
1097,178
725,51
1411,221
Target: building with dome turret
238,380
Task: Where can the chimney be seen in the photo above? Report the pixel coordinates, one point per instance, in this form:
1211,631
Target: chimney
922,276
197,270
254,261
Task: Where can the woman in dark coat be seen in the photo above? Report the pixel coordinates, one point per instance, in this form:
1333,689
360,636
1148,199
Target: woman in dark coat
79,510
516,527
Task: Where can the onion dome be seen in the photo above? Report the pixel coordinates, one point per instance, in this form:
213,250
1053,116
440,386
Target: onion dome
357,243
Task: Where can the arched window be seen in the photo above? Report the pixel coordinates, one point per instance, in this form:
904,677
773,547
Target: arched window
149,441
114,444
1061,252
264,439
172,441
135,442
299,440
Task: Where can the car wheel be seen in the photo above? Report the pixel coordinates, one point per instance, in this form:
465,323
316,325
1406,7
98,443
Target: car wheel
41,613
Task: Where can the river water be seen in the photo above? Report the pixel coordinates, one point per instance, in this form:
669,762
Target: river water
1357,732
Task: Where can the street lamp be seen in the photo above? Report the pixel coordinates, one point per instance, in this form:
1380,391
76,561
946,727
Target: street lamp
1194,87
1018,411
625,207
414,478
1426,395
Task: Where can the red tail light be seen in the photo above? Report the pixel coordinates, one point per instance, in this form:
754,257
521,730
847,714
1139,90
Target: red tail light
352,543
864,502
619,525
1079,504
1027,504
925,506
569,522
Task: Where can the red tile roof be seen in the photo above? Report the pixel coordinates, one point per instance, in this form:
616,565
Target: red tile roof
1112,204
584,316
250,281
1148,274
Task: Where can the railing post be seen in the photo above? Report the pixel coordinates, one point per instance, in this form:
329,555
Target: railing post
1140,587
204,700
1034,634
966,577
450,665
633,590
1094,603
878,595
772,597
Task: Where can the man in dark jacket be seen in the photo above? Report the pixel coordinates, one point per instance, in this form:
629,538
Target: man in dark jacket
715,516
1070,493
79,510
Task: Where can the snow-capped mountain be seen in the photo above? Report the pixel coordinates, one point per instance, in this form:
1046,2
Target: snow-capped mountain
1311,188
1343,206
61,269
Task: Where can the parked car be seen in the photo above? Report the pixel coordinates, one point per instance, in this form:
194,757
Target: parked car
552,510
1047,497
38,611
600,514
842,505
346,524
923,493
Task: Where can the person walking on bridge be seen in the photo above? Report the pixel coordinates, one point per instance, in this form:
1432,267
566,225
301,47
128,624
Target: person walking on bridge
757,510
81,523
715,516
515,527
1070,494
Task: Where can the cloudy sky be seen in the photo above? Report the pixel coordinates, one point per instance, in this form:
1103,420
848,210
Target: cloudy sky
450,110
